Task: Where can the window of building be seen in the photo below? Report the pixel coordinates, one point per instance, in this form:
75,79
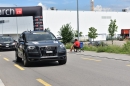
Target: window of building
106,17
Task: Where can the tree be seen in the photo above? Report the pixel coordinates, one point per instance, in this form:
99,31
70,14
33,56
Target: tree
92,33
76,33
112,28
48,29
66,32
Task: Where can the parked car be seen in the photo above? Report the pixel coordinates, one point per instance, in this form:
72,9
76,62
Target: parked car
7,42
59,38
97,43
38,46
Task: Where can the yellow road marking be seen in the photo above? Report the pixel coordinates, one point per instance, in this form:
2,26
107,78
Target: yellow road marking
6,59
97,60
91,59
19,67
43,82
128,65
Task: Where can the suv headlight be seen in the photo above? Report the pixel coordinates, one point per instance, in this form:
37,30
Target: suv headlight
13,43
62,46
31,47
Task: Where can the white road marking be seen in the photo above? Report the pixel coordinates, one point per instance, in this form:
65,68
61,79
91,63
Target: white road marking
1,83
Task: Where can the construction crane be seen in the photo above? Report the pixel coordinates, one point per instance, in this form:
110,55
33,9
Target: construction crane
92,5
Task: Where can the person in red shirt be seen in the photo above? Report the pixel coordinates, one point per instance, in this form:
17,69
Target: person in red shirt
75,45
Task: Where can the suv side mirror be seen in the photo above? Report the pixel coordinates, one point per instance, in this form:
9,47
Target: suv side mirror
59,38
21,40
15,41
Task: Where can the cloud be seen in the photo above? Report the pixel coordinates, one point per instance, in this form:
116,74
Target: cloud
118,7
100,8
111,8
127,9
43,6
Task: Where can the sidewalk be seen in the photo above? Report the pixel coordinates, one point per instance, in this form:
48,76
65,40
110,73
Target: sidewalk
123,57
1,83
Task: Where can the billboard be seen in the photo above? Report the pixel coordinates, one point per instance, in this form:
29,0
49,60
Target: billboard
34,11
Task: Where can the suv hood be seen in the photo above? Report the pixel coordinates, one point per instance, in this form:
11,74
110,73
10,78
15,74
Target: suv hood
44,43
6,42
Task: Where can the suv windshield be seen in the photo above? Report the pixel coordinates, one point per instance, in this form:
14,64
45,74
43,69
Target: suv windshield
5,39
39,36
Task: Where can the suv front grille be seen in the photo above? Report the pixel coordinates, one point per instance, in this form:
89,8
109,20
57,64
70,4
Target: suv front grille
51,49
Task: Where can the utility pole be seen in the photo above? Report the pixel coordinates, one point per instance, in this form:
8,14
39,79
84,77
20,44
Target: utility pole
78,19
16,23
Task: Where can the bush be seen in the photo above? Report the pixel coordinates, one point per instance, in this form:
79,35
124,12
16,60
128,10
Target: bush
90,48
68,45
110,49
125,49
66,32
101,49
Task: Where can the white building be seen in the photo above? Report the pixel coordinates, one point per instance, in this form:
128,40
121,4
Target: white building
54,19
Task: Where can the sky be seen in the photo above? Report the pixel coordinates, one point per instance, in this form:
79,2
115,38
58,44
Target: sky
114,5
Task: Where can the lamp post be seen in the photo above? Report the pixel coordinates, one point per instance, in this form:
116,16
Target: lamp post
78,19
16,23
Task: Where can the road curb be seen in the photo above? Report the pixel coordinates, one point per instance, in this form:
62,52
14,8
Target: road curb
122,57
1,83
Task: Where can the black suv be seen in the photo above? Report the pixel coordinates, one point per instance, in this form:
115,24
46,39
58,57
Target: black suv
7,42
37,46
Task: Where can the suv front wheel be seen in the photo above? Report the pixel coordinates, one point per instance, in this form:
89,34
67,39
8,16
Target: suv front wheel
25,61
61,62
17,58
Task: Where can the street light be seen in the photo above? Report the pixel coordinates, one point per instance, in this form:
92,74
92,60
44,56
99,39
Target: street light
78,19
16,23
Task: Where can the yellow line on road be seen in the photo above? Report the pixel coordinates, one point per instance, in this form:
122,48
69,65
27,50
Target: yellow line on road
128,65
91,59
6,59
43,82
19,67
97,60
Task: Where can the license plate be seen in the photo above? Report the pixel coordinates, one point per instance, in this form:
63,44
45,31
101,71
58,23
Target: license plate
7,46
49,51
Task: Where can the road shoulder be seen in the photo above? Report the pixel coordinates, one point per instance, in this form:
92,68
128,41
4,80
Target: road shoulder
123,57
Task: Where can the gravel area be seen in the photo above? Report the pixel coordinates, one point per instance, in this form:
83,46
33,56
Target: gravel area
116,42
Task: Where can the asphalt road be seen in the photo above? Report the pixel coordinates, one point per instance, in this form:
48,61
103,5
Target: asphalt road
80,70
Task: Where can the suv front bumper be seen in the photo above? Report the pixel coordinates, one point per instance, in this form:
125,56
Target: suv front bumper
35,57
8,47
56,58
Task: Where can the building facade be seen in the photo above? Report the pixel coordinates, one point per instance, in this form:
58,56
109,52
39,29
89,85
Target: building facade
54,19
